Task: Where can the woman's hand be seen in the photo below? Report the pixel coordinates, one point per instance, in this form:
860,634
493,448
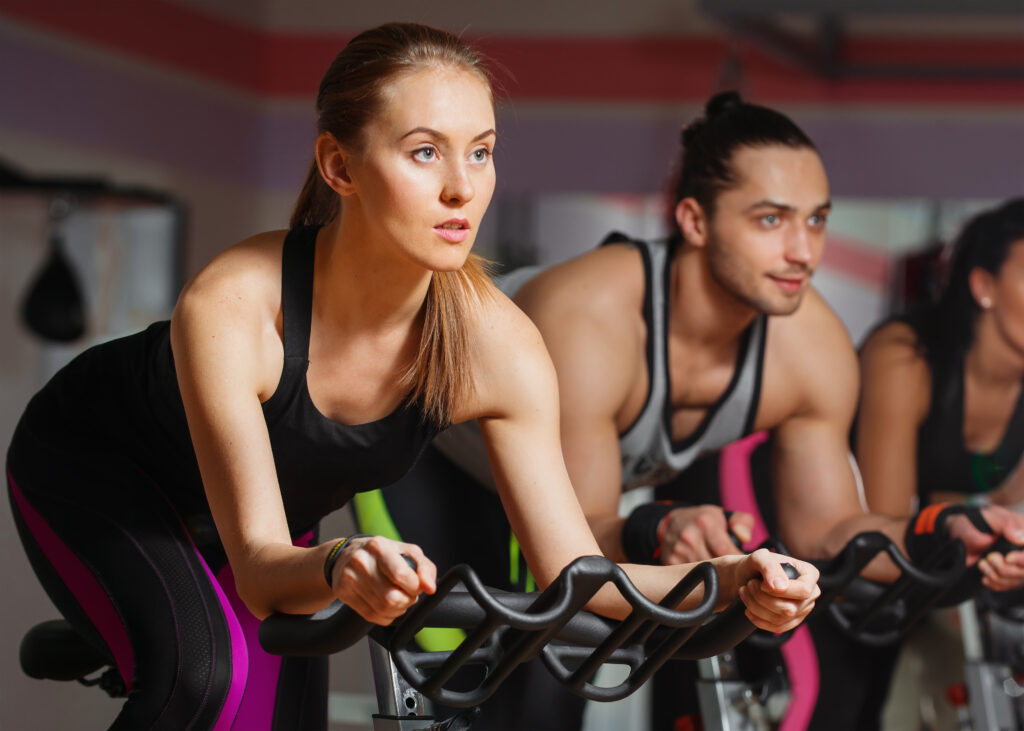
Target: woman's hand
374,578
775,602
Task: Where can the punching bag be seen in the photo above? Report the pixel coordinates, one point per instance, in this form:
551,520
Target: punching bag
54,309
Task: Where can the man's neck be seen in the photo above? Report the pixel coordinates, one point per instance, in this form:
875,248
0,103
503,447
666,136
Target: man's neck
701,311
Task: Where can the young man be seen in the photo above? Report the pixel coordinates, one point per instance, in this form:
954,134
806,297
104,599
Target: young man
665,351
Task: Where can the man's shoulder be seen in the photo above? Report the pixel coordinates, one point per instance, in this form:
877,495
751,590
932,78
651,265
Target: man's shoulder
814,328
605,284
810,362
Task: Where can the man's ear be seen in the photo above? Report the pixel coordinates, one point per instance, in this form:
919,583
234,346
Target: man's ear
692,221
333,161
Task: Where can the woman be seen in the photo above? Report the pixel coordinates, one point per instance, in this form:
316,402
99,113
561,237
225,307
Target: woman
942,411
310,365
941,414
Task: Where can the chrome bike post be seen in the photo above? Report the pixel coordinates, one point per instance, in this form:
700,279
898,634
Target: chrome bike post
400,707
727,703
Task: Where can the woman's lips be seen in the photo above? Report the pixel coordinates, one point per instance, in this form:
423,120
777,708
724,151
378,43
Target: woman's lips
454,230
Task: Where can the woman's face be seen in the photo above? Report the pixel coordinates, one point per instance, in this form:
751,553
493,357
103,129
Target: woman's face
424,175
1005,295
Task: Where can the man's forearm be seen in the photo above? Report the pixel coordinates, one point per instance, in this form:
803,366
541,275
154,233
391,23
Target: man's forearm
826,539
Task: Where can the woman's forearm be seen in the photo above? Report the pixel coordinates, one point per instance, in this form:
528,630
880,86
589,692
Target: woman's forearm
284,578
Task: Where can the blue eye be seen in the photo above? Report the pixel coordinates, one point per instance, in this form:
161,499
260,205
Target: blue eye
480,155
818,220
425,154
769,219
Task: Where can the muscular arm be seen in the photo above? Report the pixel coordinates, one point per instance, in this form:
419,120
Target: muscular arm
812,363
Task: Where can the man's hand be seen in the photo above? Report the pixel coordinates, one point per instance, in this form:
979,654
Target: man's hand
1000,572
699,533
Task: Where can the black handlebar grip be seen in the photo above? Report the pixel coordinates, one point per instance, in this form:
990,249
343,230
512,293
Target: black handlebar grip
330,630
1003,546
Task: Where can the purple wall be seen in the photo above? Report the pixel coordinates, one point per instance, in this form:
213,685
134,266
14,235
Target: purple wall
227,136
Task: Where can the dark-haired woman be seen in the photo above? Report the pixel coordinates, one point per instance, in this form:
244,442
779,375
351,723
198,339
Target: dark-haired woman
165,485
941,416
942,410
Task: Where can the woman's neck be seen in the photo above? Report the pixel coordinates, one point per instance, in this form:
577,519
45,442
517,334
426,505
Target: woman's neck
362,284
992,360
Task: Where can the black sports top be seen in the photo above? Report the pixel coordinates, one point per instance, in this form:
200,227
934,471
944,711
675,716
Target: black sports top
121,400
944,464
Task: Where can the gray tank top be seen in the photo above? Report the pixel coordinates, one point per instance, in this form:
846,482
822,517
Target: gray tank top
649,454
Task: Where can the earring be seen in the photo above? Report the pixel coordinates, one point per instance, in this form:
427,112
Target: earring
986,302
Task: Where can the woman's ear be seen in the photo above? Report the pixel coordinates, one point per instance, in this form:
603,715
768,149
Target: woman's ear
692,222
983,287
333,161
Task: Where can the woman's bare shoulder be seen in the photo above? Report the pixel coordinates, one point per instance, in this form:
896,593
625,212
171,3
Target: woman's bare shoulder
247,272
507,355
896,345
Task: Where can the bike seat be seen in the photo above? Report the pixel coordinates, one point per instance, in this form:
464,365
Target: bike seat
54,650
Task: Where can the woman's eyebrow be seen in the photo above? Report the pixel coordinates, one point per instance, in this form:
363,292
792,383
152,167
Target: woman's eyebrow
442,136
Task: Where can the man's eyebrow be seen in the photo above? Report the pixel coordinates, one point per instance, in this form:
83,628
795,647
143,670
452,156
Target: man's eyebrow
442,136
768,203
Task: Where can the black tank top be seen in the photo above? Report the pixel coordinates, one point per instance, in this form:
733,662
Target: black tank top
119,402
321,463
944,464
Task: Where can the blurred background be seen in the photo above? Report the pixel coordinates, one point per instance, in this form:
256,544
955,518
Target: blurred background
140,137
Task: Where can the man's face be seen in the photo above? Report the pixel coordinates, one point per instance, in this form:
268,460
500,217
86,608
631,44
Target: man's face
767,233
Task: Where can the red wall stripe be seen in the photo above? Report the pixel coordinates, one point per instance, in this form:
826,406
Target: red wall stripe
660,70
856,259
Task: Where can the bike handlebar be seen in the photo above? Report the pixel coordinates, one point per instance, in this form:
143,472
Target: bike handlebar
877,614
505,629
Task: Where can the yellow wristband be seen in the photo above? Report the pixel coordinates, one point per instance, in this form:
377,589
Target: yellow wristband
332,556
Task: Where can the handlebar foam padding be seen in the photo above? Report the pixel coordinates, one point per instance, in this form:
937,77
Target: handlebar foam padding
332,629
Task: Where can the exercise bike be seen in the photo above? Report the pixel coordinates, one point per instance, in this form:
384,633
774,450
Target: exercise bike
502,631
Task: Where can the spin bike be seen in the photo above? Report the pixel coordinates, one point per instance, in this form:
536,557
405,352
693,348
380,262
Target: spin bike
503,630
506,629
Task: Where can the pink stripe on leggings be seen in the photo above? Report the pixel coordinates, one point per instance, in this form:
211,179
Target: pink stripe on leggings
801,660
253,710
239,653
81,583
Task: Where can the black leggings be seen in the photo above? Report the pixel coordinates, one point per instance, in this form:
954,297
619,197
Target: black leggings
117,561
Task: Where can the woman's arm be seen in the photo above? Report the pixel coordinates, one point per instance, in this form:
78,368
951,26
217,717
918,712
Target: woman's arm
894,401
228,355
517,403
